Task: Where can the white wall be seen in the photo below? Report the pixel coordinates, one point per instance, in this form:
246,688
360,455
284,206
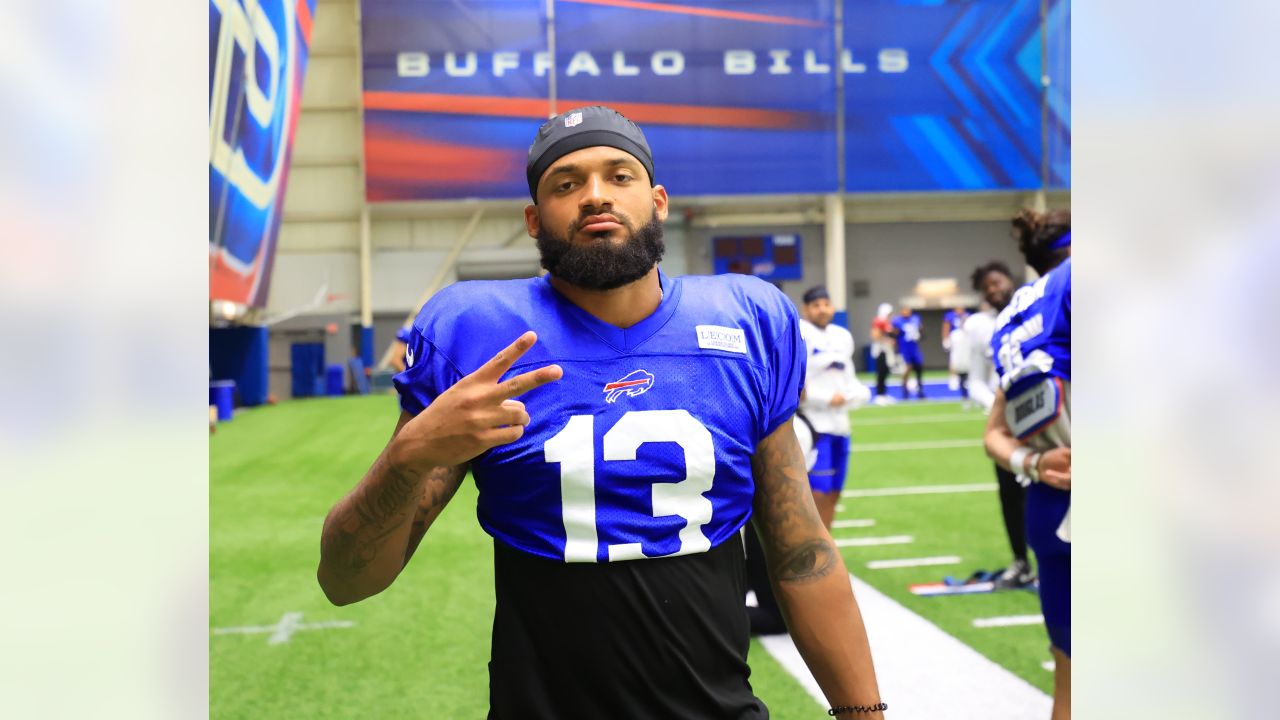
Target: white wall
320,231
891,257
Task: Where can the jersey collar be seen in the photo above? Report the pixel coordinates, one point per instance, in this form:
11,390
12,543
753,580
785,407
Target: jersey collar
623,340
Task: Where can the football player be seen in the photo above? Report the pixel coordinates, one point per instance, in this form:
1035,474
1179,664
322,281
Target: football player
398,355
882,350
1029,431
994,281
956,345
906,330
831,391
654,420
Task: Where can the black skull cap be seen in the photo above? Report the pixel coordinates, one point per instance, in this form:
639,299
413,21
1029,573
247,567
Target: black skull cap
582,128
816,293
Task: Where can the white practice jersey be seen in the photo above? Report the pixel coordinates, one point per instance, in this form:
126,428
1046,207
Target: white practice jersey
983,381
830,371
960,350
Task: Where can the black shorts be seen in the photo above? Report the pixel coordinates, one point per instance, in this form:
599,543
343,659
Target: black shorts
665,638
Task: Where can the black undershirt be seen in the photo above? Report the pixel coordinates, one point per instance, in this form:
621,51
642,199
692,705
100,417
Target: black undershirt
660,639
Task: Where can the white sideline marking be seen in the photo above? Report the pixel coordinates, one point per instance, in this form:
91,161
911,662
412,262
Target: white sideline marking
784,651
913,562
869,541
922,419
289,624
1049,665
1008,621
923,445
924,673
920,490
852,524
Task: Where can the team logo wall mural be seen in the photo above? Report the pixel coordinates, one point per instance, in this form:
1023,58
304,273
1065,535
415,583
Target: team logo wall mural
257,59
738,96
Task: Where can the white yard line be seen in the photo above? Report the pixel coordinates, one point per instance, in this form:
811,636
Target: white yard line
913,562
920,490
870,541
287,626
922,445
290,623
976,415
1048,665
923,672
1008,621
838,524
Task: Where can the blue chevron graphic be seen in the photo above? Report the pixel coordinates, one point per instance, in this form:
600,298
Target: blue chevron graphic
1058,26
985,56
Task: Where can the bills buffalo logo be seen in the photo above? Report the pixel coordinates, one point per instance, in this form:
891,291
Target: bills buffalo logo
631,385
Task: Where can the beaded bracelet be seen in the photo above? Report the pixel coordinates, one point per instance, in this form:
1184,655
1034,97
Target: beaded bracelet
840,710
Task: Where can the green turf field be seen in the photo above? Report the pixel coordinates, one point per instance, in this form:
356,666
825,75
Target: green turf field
420,649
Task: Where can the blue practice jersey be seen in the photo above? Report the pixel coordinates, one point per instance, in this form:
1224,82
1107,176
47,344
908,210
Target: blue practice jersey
908,332
954,320
1032,350
1033,334
643,449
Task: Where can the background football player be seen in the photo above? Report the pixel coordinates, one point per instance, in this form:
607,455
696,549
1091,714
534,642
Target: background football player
831,391
907,334
1029,431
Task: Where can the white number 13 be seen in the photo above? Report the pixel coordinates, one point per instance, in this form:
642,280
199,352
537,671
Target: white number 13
574,449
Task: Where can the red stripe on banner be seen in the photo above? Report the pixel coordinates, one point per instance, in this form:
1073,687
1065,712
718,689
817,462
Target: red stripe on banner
396,157
704,12
652,113
304,20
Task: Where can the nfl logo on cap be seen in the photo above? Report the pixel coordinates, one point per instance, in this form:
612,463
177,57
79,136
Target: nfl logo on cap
573,119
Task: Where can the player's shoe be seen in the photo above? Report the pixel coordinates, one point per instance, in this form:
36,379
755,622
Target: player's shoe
1015,577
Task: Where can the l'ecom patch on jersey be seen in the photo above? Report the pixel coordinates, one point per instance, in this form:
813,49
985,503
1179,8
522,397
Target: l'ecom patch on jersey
643,449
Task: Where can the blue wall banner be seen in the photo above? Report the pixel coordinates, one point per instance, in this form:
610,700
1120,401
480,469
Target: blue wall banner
956,105
736,97
257,59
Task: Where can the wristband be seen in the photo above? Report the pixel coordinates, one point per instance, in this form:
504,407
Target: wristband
851,709
1018,459
1033,466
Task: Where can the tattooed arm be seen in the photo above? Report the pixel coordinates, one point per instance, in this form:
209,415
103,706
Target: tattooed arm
371,533
809,576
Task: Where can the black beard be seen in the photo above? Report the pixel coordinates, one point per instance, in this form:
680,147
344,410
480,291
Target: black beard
602,265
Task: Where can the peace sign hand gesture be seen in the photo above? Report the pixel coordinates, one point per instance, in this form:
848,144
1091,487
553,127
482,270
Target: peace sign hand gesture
476,414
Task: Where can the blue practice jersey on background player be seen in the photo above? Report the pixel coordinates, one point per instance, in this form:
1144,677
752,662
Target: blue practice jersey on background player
954,320
1033,334
908,332
643,448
